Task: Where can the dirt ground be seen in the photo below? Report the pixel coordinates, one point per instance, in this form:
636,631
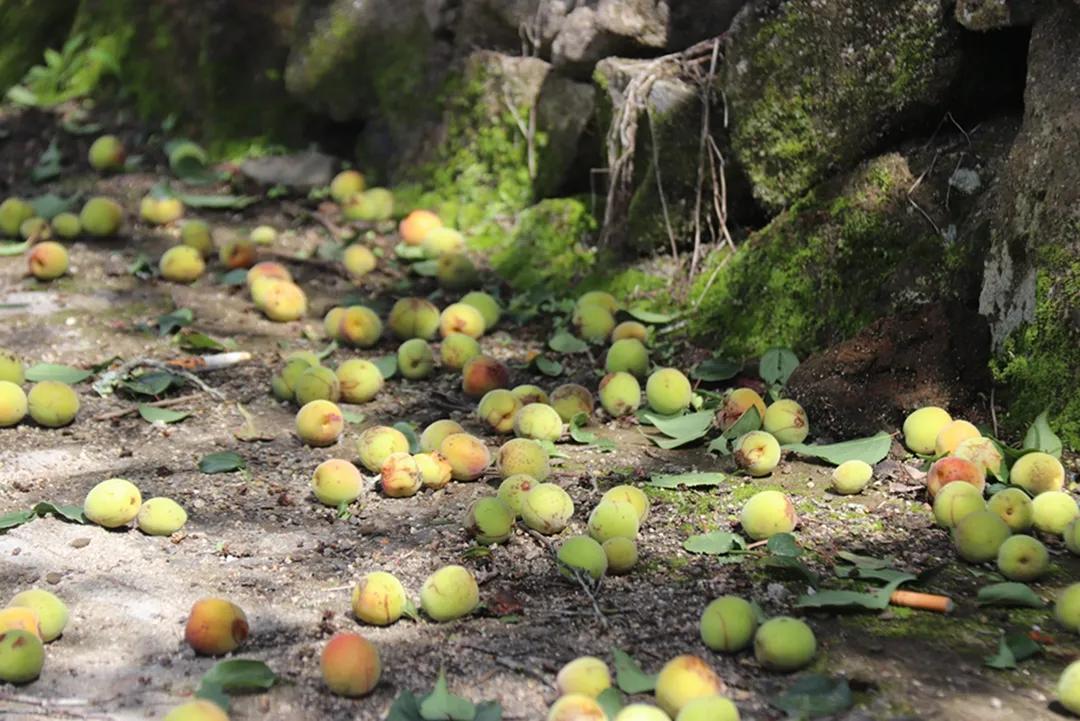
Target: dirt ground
259,538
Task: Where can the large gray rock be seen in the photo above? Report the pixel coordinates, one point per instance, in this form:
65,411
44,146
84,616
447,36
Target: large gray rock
982,15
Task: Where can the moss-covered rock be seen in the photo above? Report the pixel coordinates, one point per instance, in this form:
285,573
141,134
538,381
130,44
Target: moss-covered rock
548,248
30,27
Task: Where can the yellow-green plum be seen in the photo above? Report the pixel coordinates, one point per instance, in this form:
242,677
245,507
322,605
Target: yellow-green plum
456,272
161,516
22,656
1072,537
196,234
1037,473
467,455
48,260
284,302
317,383
523,456
112,503
379,599
709,708
449,593
35,230
197,710
13,213
284,385
414,318
336,481
482,374
641,712
263,235
182,264
629,355
629,495
620,394
359,380
161,211
530,394
613,520
358,260
757,452
1052,511
922,426
851,477
622,554
372,205
978,536
461,318
486,304
1023,559
415,226
107,154
953,470
319,423
66,225
435,470
600,298
766,514
630,329
952,434
1068,688
432,436
11,368
360,327
101,217
784,644
346,184
593,323
736,403
52,404
266,270
350,665
457,349
786,421
513,488
1067,608
538,421
497,410
215,626
1013,506
668,391
683,679
20,618
332,322
582,554
576,707
983,453
728,624
415,359
570,399
586,675
547,508
442,241
13,404
51,612
400,476
489,521
956,502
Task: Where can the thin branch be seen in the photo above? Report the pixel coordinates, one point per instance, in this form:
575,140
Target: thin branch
511,664
168,402
577,575
660,190
702,148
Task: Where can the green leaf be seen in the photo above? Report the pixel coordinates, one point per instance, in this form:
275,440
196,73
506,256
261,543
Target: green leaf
48,165
580,435
354,417
610,701
548,367
690,480
194,340
17,518
871,450
409,252
563,342
387,365
172,322
21,96
716,369
721,445
409,431
240,674
222,462
1012,648
406,707
218,202
551,449
441,705
777,365
141,267
648,316
215,694
489,710
50,205
628,674
161,415
152,384
426,268
852,599
750,420
715,543
72,514
1042,438
692,424
815,695
868,574
865,561
1008,594
791,563
784,545
10,249
54,372
235,277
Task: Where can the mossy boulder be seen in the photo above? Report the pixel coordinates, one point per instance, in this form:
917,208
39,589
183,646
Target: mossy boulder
983,15
1031,283
549,247
30,27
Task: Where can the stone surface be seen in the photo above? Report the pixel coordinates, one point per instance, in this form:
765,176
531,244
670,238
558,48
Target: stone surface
982,15
306,170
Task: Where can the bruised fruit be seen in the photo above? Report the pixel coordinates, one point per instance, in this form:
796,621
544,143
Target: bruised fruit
983,453
106,153
709,708
196,234
197,710
978,536
921,428
413,318
360,326
951,470
482,374
359,380
161,517
66,225
956,502
613,520
1023,559
13,213
52,404
13,404
736,403
786,421
522,455
101,217
512,490
20,618
350,665
784,644
1067,608
435,471
1068,688
456,272
416,226
1014,507
1052,511
48,260
442,241
400,476
641,712
415,359
461,318
358,260
317,383
346,184
621,554
757,452
432,436
539,422
449,593
319,423
379,599
467,455
22,656
587,675
1037,473
51,612
489,521
583,554
486,304
620,394
728,624
683,679
547,508
497,410
668,391
576,707
284,302
238,253
530,394
336,481
767,513
630,329
182,264
952,434
11,368
629,495
593,323
851,477
457,349
112,503
161,211
629,355
215,627
570,399
376,444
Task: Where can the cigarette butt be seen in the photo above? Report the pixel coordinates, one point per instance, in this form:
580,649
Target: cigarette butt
211,362
922,601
